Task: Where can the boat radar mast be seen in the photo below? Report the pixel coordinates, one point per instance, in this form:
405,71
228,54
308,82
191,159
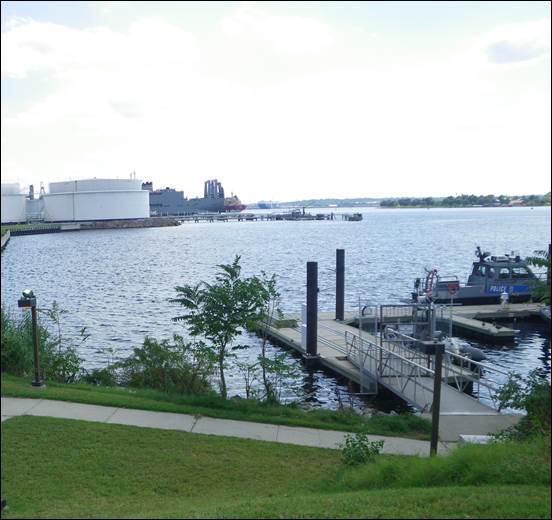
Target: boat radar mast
481,255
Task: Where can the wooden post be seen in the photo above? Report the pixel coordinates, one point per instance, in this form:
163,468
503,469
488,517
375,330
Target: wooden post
340,284
436,405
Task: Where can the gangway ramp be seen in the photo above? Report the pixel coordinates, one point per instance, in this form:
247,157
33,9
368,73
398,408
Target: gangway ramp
409,374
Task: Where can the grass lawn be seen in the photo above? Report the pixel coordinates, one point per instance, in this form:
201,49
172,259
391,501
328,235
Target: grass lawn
54,468
410,426
27,227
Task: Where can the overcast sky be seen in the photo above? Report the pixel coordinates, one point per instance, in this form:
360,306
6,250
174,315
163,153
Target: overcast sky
280,101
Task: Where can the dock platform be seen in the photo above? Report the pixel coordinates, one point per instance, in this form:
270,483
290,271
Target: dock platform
478,321
460,413
268,217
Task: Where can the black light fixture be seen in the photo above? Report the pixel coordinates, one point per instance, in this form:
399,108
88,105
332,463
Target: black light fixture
27,301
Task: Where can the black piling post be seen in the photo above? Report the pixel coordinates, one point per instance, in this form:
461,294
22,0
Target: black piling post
340,284
436,405
312,309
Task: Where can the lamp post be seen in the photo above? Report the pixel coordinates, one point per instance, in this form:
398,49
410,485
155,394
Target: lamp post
29,301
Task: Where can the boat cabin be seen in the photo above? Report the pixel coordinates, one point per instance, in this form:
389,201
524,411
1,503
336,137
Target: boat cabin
500,268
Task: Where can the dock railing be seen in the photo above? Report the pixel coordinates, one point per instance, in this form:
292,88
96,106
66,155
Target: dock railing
400,368
400,359
459,370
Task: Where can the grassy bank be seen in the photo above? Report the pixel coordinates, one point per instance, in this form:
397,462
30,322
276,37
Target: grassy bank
213,406
53,468
29,227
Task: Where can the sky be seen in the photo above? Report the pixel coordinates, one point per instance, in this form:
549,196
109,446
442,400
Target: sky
280,100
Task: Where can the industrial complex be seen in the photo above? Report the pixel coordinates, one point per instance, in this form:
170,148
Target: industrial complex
108,199
76,201
169,201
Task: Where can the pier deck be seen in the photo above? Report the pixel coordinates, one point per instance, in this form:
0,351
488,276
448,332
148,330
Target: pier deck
459,412
468,320
268,217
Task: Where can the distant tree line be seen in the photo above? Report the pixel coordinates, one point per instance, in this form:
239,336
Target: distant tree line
467,200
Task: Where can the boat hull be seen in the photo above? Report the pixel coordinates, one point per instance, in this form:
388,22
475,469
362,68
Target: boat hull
480,295
483,300
235,207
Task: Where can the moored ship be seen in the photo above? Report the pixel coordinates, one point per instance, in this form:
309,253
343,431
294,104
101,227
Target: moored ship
233,203
492,278
168,201
263,204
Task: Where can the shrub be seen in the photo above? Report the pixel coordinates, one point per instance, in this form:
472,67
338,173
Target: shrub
16,344
100,376
58,356
16,350
531,394
357,449
177,367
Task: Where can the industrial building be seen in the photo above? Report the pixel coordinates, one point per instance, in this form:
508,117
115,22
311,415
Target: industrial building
76,201
95,199
13,204
169,201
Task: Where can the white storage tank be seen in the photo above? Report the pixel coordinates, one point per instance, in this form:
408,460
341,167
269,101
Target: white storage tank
96,199
13,204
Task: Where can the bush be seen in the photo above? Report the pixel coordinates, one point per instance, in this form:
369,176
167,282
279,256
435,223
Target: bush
531,394
16,350
517,463
178,367
58,357
359,450
16,344
100,376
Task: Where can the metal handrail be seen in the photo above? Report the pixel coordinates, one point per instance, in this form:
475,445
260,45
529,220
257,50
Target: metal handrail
408,371
454,354
474,367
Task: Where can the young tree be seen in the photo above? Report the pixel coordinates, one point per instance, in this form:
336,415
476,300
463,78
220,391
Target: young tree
220,311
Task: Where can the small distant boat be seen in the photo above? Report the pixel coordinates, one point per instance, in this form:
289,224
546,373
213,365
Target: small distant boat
355,217
263,204
491,277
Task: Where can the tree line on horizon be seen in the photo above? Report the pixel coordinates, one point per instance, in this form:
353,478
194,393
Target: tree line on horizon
450,201
468,200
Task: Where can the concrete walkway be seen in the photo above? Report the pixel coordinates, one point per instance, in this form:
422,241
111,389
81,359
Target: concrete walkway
14,406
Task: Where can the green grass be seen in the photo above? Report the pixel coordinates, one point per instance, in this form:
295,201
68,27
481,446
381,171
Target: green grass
54,468
26,227
455,502
508,463
410,426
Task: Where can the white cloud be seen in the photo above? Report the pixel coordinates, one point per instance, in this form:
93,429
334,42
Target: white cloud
288,34
521,42
180,108
29,46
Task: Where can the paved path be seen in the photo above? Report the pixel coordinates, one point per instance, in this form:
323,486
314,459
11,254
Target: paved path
14,406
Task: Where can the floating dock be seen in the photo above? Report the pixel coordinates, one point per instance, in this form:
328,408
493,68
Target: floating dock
362,359
477,321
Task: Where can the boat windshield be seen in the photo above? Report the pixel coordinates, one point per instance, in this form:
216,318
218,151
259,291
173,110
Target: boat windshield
520,272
